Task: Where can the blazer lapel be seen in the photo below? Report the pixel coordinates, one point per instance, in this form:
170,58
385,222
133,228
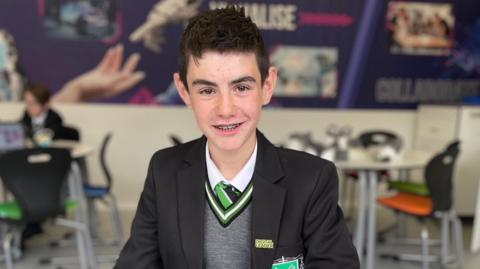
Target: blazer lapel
267,201
191,204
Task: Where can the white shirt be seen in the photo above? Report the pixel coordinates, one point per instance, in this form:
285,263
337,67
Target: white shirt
240,180
39,121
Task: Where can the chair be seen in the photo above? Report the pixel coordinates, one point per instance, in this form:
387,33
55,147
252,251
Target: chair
379,138
406,186
437,204
68,133
175,140
36,178
369,139
103,193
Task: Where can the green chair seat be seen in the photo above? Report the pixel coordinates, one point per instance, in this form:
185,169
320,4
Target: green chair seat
409,187
11,210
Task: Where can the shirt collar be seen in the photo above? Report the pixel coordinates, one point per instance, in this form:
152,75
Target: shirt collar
240,180
40,119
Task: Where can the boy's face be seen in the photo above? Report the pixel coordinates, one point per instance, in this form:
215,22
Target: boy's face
226,96
33,107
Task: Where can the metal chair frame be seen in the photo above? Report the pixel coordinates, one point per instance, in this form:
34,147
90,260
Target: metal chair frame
107,198
20,169
441,166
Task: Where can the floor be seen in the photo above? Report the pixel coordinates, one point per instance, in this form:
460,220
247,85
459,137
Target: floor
38,246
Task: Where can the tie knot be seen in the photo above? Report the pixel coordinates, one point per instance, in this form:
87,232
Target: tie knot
227,194
225,186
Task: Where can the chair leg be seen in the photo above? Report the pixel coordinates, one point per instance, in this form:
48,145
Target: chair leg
81,248
402,225
92,217
86,254
17,242
90,255
7,250
117,222
445,236
424,236
457,225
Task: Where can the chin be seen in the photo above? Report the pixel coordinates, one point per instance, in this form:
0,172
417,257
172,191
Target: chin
228,145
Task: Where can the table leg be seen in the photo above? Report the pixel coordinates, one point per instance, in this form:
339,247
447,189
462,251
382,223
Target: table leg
372,180
404,174
360,228
76,190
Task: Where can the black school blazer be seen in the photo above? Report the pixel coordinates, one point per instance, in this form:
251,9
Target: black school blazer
294,205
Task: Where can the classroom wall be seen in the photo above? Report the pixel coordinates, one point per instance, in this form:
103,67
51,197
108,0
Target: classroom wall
138,131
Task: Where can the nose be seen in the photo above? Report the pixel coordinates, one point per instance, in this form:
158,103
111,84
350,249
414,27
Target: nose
226,105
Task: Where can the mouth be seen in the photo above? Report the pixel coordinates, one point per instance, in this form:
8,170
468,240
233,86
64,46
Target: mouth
227,127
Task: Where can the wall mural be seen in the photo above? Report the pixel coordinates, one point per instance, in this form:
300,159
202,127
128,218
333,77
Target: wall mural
329,53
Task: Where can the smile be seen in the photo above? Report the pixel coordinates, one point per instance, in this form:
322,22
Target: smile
227,127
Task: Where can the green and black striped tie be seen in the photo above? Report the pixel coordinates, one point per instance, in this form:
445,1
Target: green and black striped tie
227,194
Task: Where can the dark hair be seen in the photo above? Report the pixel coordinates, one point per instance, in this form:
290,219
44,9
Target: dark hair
222,30
40,92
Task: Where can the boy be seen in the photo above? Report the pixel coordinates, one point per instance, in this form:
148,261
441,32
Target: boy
38,113
231,199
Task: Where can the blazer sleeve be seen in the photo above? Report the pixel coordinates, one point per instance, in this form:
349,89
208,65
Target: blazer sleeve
26,121
54,122
141,250
326,238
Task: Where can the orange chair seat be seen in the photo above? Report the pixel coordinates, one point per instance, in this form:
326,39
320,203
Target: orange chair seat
408,203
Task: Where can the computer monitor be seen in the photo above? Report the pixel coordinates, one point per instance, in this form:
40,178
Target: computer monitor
11,136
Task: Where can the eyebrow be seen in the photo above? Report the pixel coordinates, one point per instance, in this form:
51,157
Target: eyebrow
243,79
203,82
233,82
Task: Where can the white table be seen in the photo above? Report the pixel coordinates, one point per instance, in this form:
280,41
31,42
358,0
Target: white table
368,179
78,149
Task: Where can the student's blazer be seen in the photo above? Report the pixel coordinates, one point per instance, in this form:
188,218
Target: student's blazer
294,206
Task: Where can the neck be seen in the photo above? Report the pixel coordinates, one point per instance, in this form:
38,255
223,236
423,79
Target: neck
229,163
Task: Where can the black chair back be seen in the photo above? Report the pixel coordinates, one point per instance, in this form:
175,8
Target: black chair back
103,160
68,133
175,140
438,176
35,178
379,138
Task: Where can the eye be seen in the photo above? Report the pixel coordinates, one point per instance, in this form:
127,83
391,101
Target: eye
207,91
242,89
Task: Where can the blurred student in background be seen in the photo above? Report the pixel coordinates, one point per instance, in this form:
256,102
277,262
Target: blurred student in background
38,113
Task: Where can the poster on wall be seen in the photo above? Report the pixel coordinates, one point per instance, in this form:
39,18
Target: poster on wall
420,28
80,20
117,51
305,71
425,52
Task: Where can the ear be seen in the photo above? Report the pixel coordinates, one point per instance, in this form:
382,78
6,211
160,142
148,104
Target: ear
269,85
182,90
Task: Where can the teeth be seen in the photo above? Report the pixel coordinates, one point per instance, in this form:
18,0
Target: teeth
227,127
